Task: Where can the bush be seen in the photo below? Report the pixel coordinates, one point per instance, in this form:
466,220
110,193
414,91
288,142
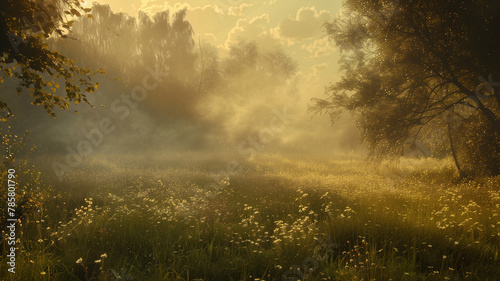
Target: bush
478,147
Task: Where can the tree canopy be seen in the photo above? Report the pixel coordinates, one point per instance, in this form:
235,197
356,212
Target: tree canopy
25,26
407,63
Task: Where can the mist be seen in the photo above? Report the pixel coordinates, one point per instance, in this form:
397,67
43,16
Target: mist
246,100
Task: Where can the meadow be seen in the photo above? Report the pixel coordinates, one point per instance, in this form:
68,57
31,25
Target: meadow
275,218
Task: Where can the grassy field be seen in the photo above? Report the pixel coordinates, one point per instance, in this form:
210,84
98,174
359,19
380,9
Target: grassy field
179,217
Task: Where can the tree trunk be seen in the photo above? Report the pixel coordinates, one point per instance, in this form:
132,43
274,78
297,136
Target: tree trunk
492,118
453,152
202,66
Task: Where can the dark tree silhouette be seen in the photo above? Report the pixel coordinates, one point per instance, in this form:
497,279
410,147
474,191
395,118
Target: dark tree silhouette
407,63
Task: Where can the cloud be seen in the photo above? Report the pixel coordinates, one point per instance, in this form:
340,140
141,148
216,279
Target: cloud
209,22
317,68
207,13
208,19
254,29
238,10
209,38
316,71
154,6
222,8
307,24
320,47
119,6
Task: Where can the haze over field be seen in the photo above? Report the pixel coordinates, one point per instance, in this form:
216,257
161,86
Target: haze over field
285,39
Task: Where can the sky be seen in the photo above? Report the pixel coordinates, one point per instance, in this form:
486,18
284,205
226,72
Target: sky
291,25
294,26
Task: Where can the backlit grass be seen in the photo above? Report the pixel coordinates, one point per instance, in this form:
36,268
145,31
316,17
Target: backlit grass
276,218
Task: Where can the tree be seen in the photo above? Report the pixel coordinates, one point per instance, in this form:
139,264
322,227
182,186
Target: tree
24,27
408,63
126,46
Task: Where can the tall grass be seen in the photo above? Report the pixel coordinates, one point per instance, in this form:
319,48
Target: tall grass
350,220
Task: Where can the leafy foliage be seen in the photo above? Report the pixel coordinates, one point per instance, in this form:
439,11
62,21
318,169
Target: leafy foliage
24,27
408,63
31,192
